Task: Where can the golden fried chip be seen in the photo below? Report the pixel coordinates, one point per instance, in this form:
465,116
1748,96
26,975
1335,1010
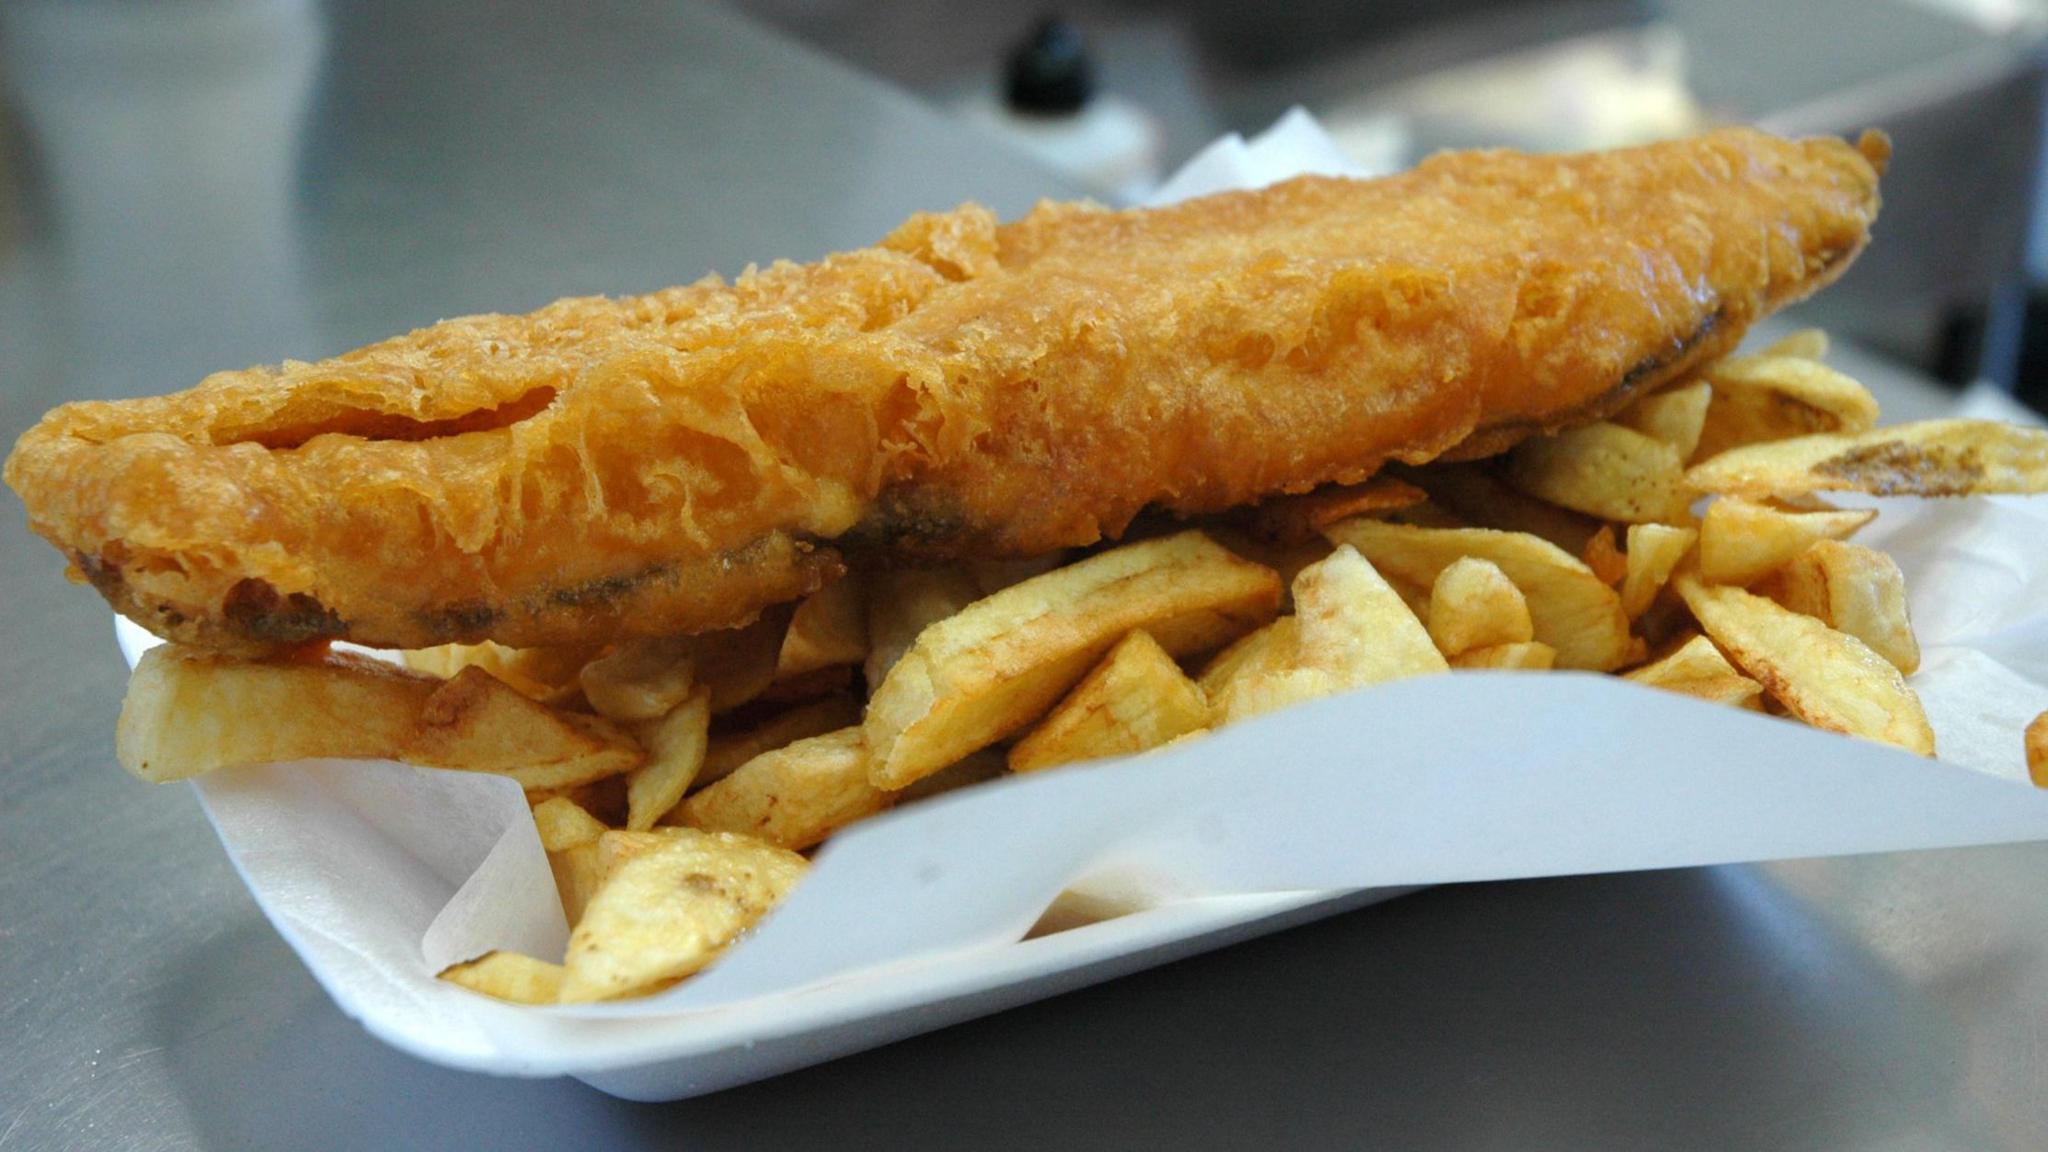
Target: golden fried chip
563,824
478,723
794,796
1828,679
669,907
640,679
1805,344
1606,560
1697,668
992,576
1654,552
904,602
549,675
1572,610
980,768
2037,750
1268,649
510,976
675,752
988,671
1741,541
1929,458
1473,604
579,872
1137,698
1531,655
1851,589
729,750
1758,399
1352,630
1480,499
828,630
190,711
1676,416
1604,470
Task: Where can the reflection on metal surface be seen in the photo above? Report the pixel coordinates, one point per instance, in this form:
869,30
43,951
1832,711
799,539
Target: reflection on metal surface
167,136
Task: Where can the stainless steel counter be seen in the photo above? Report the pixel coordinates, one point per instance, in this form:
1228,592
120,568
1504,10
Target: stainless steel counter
202,184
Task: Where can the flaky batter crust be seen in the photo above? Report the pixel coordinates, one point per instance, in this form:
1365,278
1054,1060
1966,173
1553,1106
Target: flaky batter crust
677,461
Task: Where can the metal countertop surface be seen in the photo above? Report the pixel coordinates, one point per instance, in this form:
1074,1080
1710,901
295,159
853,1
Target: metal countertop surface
218,182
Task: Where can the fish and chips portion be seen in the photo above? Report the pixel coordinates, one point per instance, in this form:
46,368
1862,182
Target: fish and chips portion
716,573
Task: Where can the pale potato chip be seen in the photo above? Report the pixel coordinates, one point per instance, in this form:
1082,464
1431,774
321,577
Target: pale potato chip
1137,698
903,602
1480,499
828,630
1758,399
1606,560
1676,416
1697,668
1604,470
729,750
1741,541
1805,344
1929,458
510,976
675,752
549,675
190,711
2037,750
1851,589
563,824
1828,679
1654,552
668,908
1268,649
640,679
478,723
1473,604
1352,630
1530,655
794,796
1572,610
981,675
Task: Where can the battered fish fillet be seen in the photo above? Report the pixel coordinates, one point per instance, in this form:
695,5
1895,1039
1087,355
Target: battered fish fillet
677,461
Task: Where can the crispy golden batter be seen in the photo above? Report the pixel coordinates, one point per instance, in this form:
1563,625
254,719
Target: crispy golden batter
676,461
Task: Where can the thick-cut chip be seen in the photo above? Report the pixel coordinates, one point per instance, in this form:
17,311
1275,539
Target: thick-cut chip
828,630
1606,560
669,907
1267,650
2037,750
1741,541
640,679
1764,398
1697,668
1473,604
190,711
1826,678
675,752
980,675
1929,458
980,768
738,664
1604,470
549,675
1285,559
1531,655
1299,519
579,873
478,723
1654,552
1481,499
1352,629
795,796
563,824
1805,344
1851,589
902,603
1137,698
729,750
510,976
1572,610
1676,416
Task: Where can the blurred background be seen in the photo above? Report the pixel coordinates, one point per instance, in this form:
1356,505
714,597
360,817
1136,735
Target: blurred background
169,171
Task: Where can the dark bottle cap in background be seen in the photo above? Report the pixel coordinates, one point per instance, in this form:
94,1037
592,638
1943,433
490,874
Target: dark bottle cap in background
1049,73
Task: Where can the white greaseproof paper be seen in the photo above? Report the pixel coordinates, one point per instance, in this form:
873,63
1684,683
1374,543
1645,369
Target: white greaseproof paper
380,874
